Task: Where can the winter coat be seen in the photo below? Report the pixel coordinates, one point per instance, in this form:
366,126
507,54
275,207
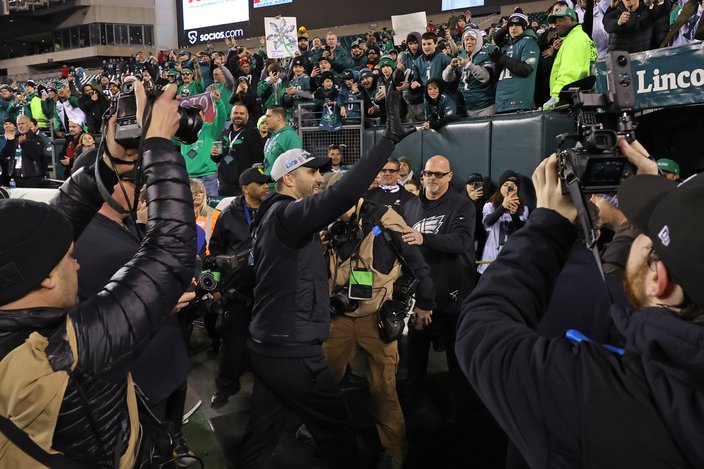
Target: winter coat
636,34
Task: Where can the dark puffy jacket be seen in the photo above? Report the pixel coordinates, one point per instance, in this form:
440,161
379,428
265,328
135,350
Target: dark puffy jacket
567,404
291,315
635,35
114,326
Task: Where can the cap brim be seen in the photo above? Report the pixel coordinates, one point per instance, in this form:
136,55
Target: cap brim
638,196
316,163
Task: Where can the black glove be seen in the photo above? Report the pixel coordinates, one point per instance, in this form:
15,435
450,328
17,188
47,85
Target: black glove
395,131
496,55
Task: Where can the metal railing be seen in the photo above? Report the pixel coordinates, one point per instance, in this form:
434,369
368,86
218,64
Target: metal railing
348,137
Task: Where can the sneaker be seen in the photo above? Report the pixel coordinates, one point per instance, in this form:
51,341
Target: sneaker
220,398
389,461
183,456
303,435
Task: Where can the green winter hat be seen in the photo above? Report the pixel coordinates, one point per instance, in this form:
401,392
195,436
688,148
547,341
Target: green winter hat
387,61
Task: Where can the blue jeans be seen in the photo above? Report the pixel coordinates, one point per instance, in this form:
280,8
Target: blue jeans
210,182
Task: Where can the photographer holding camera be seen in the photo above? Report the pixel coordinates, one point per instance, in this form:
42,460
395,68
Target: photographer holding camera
291,313
577,403
366,242
61,396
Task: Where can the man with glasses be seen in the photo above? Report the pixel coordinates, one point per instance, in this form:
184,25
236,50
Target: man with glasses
389,192
191,83
443,226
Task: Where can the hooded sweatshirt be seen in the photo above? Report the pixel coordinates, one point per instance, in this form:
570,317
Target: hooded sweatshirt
477,77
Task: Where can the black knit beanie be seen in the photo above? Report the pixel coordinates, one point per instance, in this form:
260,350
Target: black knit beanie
34,239
509,176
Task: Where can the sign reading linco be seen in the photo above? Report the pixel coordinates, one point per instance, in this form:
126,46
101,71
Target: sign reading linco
665,77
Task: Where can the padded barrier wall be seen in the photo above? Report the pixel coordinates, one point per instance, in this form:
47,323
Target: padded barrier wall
485,145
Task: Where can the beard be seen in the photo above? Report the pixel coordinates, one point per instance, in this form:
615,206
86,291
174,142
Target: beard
634,284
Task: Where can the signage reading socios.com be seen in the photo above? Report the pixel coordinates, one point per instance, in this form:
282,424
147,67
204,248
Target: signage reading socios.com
212,20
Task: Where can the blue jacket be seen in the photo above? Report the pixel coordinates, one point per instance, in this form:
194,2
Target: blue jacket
440,111
426,67
519,64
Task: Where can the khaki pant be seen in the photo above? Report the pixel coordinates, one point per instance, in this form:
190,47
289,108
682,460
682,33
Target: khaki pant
382,360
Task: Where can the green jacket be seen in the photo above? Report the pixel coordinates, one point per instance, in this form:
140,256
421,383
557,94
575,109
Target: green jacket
196,87
573,61
197,156
273,95
285,139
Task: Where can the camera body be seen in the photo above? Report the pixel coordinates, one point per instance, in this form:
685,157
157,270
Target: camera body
214,266
340,302
342,231
594,161
128,131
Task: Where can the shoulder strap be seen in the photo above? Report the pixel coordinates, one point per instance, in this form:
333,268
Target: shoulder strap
376,219
32,449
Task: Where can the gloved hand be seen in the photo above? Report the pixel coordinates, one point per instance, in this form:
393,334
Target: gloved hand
496,55
550,104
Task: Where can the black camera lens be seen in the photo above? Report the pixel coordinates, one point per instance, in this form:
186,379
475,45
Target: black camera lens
127,88
190,124
622,60
208,281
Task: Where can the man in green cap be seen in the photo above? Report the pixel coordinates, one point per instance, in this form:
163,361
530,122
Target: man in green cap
669,168
192,83
575,56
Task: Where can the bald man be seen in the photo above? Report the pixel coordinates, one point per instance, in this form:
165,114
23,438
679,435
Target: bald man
25,152
443,226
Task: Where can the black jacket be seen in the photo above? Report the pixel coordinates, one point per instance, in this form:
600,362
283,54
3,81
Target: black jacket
567,404
291,315
34,162
94,111
114,325
240,150
395,200
231,236
635,35
447,225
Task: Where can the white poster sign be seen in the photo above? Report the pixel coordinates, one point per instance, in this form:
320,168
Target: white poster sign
281,39
406,24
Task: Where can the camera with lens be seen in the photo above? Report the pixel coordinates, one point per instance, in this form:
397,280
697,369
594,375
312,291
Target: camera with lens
341,303
342,231
591,158
128,131
214,266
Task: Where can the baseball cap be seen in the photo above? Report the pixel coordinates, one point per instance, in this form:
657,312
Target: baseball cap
251,175
474,177
185,52
31,83
365,72
294,159
373,50
669,166
562,11
663,210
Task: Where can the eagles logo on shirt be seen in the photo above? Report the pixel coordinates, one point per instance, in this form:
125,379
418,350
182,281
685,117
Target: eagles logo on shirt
430,225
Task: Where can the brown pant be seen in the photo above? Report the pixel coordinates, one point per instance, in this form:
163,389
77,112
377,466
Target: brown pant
382,360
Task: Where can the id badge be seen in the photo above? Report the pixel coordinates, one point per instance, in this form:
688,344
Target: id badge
361,283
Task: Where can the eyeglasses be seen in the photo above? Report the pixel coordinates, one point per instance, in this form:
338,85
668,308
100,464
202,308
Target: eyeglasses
437,174
186,73
388,171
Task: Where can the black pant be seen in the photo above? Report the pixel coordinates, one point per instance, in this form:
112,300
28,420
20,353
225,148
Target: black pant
305,386
232,358
30,182
444,323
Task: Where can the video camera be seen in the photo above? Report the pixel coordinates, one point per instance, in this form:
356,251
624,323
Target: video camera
129,132
594,163
214,266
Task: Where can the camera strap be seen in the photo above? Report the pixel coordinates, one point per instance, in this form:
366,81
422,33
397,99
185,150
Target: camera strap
380,229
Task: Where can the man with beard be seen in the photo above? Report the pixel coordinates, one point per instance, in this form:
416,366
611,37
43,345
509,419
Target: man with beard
291,312
576,403
359,60
241,148
93,103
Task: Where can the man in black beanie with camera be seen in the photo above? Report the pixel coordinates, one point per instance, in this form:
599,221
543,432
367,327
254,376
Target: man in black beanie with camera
291,314
64,385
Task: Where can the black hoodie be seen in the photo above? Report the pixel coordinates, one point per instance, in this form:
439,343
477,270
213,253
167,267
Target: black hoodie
291,315
566,404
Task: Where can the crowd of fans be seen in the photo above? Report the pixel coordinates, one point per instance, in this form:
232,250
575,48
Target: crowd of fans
451,238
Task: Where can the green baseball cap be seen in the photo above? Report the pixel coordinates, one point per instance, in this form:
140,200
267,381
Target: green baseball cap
668,166
563,11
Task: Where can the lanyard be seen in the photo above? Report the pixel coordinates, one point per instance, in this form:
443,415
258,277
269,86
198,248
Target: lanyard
246,212
234,139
